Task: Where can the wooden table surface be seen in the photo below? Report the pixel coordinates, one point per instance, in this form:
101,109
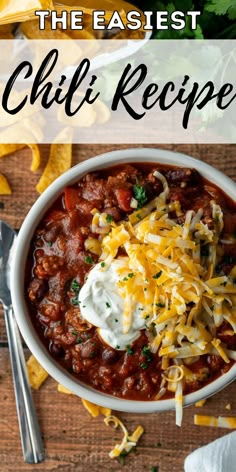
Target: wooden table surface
73,440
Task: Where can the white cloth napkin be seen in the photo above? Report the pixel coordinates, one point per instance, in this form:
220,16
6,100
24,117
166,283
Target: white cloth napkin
218,456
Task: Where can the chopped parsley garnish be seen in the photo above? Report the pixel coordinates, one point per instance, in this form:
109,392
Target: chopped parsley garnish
154,469
144,365
75,286
49,243
129,350
160,305
109,218
125,279
140,195
116,320
147,353
117,346
79,341
158,444
108,305
103,264
124,454
75,333
88,260
74,301
138,216
130,275
156,276
146,317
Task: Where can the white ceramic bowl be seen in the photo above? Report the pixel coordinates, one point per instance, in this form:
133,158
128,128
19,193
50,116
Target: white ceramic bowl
17,279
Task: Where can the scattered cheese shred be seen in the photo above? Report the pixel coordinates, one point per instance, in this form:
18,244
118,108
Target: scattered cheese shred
228,406
128,441
95,410
200,403
215,421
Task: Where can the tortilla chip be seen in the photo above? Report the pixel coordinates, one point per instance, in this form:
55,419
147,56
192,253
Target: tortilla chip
36,157
6,149
62,389
85,118
59,161
5,188
6,36
31,30
6,29
102,112
37,374
12,11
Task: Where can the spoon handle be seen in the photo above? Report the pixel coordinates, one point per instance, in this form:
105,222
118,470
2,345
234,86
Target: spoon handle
31,440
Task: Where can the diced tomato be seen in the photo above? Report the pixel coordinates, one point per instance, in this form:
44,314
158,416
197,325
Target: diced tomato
124,197
72,198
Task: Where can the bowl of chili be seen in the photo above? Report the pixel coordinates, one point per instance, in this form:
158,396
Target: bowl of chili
161,333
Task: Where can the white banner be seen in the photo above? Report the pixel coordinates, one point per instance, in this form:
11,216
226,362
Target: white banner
118,91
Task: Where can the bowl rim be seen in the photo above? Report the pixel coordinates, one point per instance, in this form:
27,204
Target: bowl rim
108,159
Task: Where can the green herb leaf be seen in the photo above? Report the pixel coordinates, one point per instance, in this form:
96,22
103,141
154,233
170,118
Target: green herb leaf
109,218
156,276
140,195
75,286
74,301
88,260
222,7
129,350
108,305
154,469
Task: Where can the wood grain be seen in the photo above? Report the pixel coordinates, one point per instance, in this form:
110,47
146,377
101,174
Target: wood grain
73,440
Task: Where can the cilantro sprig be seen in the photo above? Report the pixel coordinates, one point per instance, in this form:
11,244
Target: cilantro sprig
140,195
217,19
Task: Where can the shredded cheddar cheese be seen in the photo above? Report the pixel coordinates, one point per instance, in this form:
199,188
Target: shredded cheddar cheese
174,280
217,422
128,441
200,403
95,410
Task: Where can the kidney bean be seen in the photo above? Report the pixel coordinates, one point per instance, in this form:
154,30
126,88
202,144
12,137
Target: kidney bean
110,356
56,350
215,363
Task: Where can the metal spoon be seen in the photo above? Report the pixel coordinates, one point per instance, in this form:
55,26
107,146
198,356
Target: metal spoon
31,441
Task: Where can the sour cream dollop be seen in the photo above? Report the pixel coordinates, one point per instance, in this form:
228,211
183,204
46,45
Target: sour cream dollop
102,305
